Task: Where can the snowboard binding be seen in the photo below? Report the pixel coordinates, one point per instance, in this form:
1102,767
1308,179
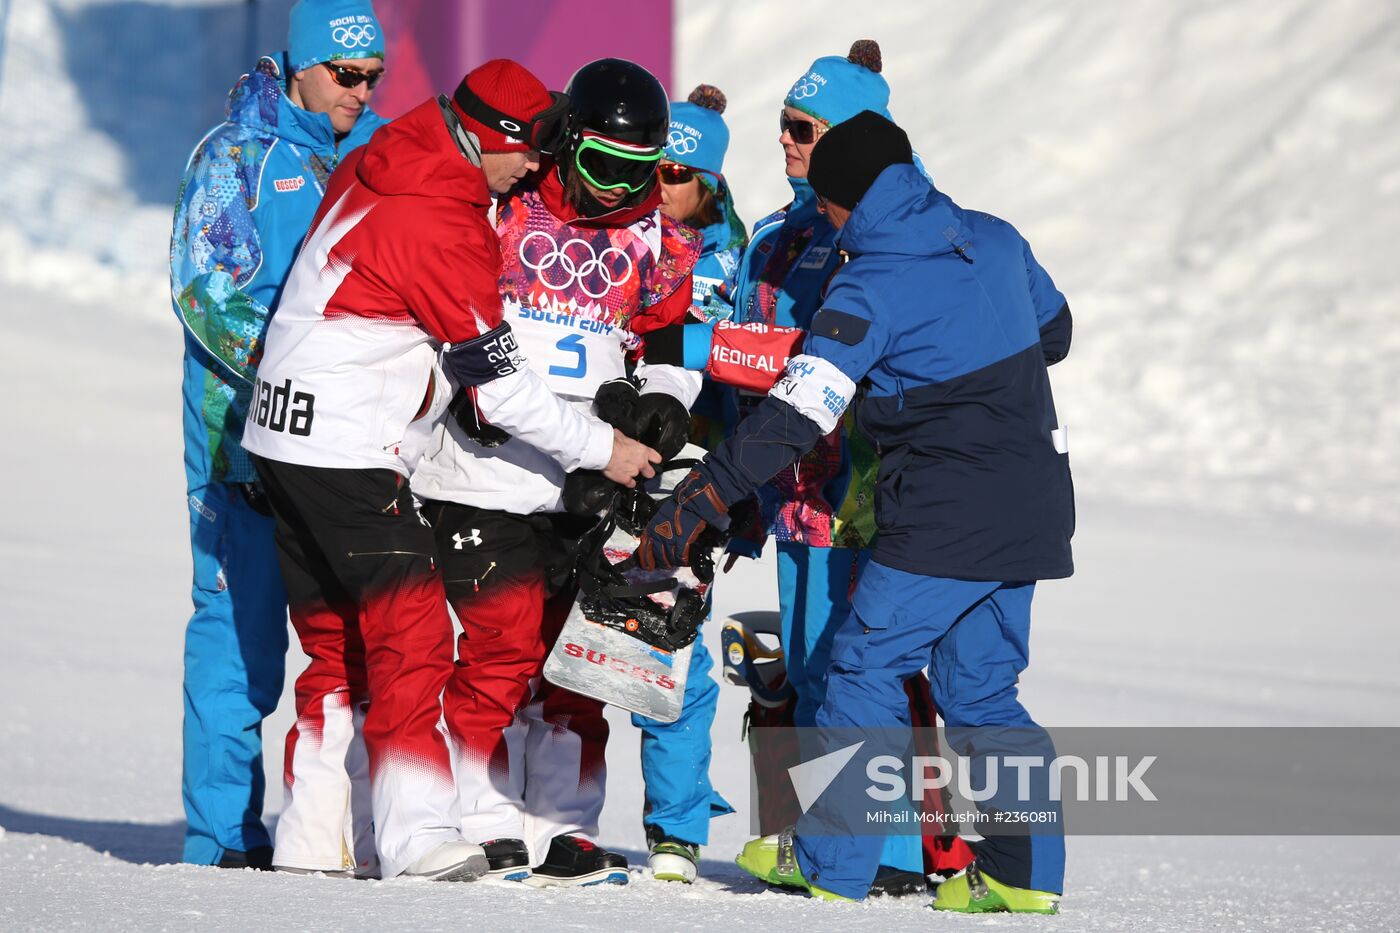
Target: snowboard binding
753,657
629,636
608,597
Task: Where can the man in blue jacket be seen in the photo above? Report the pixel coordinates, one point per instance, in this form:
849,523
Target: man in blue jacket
247,198
942,325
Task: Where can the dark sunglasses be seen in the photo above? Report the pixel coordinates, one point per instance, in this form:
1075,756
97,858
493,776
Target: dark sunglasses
349,77
544,132
673,173
803,132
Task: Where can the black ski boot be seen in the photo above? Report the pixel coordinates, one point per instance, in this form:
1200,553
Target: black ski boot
509,859
258,857
574,860
893,882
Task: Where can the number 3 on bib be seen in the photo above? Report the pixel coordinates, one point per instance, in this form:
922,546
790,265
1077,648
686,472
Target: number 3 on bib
572,344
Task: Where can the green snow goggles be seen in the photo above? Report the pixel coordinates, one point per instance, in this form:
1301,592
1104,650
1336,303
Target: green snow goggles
606,163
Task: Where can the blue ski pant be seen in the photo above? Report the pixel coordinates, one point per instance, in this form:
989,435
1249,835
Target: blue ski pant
814,585
974,638
235,653
679,799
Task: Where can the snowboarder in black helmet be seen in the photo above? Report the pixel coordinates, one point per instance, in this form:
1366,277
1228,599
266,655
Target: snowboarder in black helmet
589,267
618,122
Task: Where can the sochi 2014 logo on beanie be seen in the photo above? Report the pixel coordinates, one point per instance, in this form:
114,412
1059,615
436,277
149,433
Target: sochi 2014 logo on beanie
698,137
683,139
326,30
809,85
835,88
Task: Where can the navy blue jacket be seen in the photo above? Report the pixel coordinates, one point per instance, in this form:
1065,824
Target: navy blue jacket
941,326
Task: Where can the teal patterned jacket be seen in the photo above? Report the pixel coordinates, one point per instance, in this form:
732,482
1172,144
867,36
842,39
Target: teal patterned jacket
250,190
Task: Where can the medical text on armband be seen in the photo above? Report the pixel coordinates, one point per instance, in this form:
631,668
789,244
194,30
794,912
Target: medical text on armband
762,362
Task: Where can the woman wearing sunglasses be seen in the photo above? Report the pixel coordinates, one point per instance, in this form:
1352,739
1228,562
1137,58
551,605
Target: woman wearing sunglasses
589,263
679,798
694,190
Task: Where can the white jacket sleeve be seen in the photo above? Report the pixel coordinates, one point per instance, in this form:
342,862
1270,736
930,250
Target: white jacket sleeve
673,380
524,407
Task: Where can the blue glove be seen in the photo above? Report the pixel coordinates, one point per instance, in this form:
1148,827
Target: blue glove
669,539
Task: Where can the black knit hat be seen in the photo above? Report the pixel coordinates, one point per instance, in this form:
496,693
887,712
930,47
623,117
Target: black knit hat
852,154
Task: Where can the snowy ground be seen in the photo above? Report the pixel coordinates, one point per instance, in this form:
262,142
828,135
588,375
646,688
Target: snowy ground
1173,619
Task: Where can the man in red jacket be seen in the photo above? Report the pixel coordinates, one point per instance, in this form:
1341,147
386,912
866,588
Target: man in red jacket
392,307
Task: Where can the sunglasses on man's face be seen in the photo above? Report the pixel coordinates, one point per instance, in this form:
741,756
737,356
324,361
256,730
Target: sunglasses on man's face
349,77
803,132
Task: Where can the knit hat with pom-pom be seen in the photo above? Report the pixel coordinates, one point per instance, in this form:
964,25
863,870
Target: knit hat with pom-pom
835,89
698,136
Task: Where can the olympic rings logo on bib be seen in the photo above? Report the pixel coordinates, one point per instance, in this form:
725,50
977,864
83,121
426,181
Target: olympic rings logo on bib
803,89
355,36
580,264
681,143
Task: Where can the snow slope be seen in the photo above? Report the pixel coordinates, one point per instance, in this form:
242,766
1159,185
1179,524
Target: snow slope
1174,619
1214,186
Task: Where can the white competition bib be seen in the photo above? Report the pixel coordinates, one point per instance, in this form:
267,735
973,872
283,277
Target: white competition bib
574,354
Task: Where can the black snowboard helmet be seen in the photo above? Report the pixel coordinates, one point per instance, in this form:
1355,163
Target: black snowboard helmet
618,120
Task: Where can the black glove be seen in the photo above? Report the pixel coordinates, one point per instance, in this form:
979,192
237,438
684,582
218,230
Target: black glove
616,403
670,538
665,346
663,423
589,492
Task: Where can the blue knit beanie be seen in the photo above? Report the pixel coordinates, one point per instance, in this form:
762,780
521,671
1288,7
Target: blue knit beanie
325,30
835,89
698,136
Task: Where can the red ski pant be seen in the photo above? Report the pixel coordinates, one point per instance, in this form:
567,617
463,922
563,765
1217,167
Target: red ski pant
530,755
368,606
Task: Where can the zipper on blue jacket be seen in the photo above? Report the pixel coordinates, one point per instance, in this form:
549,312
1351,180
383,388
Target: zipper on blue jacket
959,243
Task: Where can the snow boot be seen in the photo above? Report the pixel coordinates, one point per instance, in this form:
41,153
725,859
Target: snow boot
258,858
895,882
772,859
451,861
574,860
509,859
672,859
332,873
974,892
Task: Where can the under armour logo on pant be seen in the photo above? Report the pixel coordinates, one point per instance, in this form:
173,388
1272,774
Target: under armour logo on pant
474,538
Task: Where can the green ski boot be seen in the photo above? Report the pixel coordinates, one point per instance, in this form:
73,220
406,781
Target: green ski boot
772,859
972,892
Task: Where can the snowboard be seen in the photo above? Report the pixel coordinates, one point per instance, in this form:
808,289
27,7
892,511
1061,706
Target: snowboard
604,650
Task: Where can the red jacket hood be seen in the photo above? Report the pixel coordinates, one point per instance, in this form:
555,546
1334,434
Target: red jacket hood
551,191
415,154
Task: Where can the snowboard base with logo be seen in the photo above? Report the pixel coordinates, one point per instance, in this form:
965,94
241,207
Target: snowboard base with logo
609,664
598,653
